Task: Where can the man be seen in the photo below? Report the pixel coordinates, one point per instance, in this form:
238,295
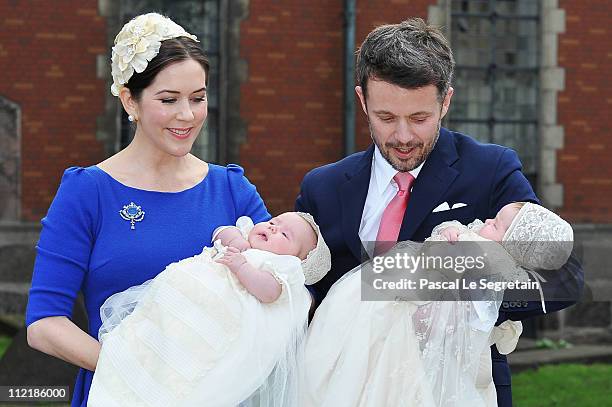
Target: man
404,74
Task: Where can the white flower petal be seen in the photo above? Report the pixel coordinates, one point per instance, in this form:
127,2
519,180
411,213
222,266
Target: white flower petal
139,63
126,42
122,65
154,38
150,53
115,89
120,49
142,45
138,43
125,75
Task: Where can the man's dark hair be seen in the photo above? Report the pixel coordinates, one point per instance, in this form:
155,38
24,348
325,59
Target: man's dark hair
171,51
410,54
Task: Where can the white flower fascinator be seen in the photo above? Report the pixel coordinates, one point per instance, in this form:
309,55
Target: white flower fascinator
138,43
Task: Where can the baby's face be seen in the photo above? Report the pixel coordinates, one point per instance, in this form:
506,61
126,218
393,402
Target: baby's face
286,233
494,229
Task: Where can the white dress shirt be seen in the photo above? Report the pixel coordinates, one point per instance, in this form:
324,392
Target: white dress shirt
381,191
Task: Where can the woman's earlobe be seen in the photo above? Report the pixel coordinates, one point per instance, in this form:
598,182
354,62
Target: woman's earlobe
128,104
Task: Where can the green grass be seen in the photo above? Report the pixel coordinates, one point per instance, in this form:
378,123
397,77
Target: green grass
5,341
566,385
563,386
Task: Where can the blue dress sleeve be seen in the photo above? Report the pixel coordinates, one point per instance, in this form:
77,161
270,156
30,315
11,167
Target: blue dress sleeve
64,247
246,198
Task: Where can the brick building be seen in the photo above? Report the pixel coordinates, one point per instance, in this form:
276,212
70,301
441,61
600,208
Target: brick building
531,74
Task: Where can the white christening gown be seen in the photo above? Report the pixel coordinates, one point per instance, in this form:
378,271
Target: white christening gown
193,336
405,353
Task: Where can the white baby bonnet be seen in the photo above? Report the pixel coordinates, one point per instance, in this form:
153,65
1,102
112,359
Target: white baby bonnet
538,238
318,262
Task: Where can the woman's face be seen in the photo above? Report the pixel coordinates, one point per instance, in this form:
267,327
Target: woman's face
173,108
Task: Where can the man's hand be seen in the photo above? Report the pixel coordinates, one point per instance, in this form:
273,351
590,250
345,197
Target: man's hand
451,234
233,259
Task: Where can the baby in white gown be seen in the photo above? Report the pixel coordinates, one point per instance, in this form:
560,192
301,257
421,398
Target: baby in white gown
427,353
223,328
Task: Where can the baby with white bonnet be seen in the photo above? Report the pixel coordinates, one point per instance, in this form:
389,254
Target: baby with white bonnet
290,233
239,306
537,239
432,352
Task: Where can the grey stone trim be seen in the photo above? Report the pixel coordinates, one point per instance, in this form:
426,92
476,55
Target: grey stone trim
552,137
19,233
13,145
108,124
552,80
605,228
237,73
439,15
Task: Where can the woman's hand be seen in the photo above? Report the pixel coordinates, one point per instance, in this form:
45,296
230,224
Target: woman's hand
233,259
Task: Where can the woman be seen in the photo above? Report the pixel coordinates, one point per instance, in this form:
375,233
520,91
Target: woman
119,223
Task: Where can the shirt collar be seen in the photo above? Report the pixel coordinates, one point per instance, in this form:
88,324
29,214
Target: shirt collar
384,172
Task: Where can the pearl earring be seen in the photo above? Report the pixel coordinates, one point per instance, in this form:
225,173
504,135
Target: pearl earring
131,118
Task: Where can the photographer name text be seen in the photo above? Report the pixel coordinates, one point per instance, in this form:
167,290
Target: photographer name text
457,284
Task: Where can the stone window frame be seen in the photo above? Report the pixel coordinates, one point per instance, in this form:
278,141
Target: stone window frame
551,81
111,123
18,135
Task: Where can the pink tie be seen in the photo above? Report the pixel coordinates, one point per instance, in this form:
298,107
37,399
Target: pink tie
392,217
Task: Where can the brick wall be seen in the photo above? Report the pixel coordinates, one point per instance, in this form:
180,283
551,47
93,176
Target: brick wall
584,166
48,59
292,99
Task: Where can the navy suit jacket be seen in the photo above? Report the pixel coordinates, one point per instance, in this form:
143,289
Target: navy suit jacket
459,170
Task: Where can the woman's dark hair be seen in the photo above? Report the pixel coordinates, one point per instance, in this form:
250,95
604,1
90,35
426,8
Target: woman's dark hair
171,51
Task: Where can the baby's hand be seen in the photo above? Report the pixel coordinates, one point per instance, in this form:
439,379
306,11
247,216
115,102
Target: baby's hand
233,259
239,243
451,234
231,236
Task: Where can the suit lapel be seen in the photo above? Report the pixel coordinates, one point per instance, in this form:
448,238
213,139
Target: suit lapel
433,181
353,195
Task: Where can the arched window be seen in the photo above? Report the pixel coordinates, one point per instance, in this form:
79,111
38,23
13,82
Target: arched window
10,160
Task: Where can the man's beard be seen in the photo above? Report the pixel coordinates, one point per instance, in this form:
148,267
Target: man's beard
409,164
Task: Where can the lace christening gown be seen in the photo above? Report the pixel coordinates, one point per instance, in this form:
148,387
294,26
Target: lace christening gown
193,336
406,353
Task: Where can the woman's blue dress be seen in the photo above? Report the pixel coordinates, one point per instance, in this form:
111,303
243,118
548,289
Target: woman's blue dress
87,244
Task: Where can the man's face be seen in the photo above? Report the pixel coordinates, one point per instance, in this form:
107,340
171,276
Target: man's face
404,123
